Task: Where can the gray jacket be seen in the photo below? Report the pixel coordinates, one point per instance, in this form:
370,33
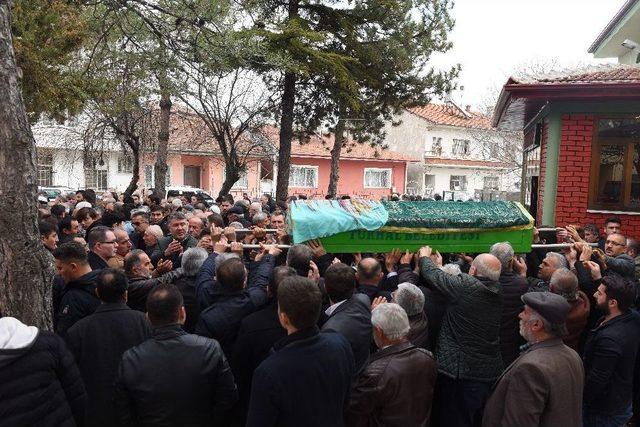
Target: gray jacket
623,264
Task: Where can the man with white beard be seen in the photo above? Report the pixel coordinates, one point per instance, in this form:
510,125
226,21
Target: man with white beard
542,387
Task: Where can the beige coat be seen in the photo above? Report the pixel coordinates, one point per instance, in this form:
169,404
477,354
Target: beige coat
542,387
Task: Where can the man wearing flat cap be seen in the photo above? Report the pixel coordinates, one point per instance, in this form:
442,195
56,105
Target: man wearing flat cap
542,387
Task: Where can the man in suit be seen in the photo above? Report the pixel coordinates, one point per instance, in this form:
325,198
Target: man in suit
542,387
349,312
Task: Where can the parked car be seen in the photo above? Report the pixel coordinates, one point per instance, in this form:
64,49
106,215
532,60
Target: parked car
187,192
51,193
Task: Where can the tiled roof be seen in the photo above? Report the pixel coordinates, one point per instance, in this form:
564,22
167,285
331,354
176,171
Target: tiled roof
451,115
190,135
317,146
605,73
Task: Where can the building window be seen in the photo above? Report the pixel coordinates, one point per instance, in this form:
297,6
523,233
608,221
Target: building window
615,165
45,168
458,183
96,172
150,176
242,182
436,146
125,163
377,178
531,175
96,179
303,176
460,147
491,183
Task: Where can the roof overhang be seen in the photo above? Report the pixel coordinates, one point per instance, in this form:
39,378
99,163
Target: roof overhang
624,25
519,103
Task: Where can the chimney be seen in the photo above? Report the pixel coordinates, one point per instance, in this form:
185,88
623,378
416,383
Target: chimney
467,108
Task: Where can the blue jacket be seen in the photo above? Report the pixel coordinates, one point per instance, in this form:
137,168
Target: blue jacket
306,381
221,320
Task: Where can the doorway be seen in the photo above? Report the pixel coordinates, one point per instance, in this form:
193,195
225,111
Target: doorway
192,176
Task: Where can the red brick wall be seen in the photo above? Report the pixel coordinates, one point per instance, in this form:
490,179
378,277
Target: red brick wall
573,177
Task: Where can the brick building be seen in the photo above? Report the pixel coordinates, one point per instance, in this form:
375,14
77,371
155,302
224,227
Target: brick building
582,144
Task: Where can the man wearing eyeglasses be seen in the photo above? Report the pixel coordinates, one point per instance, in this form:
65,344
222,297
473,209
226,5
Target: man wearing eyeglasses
102,246
616,259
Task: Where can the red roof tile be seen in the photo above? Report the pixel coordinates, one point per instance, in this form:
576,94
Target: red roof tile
451,115
318,146
606,73
190,135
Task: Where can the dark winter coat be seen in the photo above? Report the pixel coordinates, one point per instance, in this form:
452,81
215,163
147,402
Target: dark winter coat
97,343
609,361
419,330
305,382
40,385
139,288
373,292
352,319
174,379
78,300
577,320
513,287
435,305
188,242
623,264
395,389
96,262
258,333
137,241
221,320
469,342
187,287
206,285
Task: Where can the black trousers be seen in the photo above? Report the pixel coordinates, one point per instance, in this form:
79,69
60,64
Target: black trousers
460,403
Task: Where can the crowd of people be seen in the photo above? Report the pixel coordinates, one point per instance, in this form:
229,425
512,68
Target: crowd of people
175,313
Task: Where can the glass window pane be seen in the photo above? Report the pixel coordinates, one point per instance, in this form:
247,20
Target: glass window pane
628,127
611,174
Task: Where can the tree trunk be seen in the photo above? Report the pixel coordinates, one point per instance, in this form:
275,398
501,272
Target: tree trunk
133,184
160,168
286,135
334,176
26,269
231,176
286,122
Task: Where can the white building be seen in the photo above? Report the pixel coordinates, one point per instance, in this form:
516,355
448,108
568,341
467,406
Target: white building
621,37
63,161
461,154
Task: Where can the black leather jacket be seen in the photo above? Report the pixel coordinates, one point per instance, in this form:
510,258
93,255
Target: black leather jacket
172,379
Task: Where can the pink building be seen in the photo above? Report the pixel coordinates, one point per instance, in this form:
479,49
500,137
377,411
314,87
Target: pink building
364,170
